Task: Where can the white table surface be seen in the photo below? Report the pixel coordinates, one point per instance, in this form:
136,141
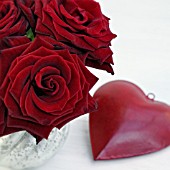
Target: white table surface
142,55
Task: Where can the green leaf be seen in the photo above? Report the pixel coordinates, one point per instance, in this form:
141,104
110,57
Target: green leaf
30,34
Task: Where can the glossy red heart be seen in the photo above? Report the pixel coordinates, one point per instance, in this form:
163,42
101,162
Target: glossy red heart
127,123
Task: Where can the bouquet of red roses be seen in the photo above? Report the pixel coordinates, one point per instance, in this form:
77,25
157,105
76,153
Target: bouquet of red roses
44,48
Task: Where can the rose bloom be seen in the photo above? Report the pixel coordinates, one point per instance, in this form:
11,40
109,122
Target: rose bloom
44,88
16,17
79,25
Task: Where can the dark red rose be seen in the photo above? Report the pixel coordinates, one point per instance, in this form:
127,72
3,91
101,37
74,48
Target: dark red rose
45,88
80,25
16,17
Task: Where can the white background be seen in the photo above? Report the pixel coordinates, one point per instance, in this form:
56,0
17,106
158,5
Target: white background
142,56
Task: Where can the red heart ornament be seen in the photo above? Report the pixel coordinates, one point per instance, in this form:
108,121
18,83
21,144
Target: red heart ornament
127,123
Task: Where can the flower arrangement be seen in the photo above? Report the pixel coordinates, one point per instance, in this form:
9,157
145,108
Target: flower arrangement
45,46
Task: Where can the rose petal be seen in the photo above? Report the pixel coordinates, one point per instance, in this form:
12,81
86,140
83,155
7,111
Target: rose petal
42,77
19,83
9,130
72,37
26,7
43,29
2,117
92,107
46,106
31,127
6,59
52,95
52,9
23,97
104,66
54,61
80,109
36,44
41,117
86,73
13,41
70,105
21,64
96,43
92,7
13,107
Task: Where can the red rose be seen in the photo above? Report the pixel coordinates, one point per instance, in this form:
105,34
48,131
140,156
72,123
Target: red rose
46,88
77,24
16,17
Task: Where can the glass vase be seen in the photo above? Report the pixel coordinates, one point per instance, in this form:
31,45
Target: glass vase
20,151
